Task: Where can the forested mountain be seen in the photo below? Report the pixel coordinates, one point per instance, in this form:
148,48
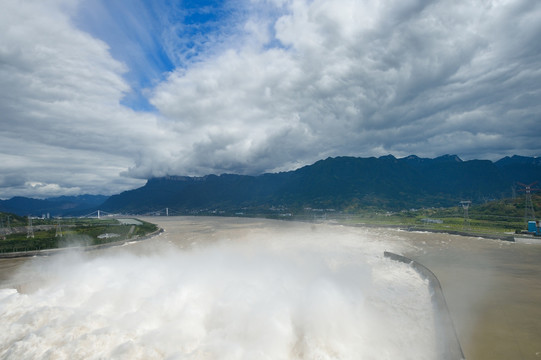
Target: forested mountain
57,206
341,183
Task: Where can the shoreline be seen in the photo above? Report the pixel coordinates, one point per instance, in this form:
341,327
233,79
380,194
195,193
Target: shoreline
48,252
502,237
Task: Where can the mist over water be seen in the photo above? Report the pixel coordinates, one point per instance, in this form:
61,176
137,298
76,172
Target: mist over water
253,291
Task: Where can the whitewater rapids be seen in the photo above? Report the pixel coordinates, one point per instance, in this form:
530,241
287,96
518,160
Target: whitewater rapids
247,289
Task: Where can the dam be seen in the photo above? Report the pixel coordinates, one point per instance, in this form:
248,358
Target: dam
260,289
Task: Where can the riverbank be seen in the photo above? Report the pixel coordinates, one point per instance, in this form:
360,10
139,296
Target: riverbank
491,287
503,237
492,236
49,252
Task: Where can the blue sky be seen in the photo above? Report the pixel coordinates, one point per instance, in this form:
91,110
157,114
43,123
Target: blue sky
97,96
155,37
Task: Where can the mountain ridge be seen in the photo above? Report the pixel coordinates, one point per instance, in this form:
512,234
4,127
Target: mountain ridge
55,206
344,183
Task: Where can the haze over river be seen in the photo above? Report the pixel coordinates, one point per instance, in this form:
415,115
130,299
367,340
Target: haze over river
234,288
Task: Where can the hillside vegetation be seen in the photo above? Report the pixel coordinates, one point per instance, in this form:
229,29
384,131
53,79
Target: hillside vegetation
45,234
495,217
344,184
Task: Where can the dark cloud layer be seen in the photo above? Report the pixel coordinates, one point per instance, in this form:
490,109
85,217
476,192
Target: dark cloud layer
293,82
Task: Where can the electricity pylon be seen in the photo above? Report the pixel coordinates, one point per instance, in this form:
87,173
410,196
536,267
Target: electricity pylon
29,229
8,229
465,205
58,230
529,213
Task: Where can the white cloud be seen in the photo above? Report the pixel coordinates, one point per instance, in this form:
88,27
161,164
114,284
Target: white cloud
358,77
62,125
296,81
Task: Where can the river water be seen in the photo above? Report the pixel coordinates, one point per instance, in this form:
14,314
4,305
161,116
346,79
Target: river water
493,291
233,288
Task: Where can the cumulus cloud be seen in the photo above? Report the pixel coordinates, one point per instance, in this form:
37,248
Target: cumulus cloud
293,81
365,78
62,125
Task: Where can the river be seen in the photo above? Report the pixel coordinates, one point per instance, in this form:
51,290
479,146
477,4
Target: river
208,286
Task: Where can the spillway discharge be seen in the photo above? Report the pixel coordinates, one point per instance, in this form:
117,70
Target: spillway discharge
325,294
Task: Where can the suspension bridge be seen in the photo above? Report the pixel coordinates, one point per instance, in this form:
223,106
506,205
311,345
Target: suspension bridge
98,214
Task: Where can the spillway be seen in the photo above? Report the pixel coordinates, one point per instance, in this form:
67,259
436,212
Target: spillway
223,288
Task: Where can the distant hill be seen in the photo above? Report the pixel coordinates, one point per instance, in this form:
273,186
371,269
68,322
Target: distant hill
57,206
10,219
341,183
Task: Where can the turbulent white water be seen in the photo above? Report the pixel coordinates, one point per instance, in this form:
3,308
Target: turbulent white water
265,293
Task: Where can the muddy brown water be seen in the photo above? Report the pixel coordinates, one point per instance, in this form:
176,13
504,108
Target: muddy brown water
493,291
492,287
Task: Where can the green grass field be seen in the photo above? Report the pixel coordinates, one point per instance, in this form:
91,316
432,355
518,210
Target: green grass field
448,219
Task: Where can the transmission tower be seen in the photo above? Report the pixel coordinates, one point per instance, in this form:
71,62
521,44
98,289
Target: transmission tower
529,213
58,230
8,229
514,191
465,205
29,229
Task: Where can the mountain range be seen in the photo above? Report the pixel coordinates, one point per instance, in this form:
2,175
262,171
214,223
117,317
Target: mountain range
341,183
56,206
